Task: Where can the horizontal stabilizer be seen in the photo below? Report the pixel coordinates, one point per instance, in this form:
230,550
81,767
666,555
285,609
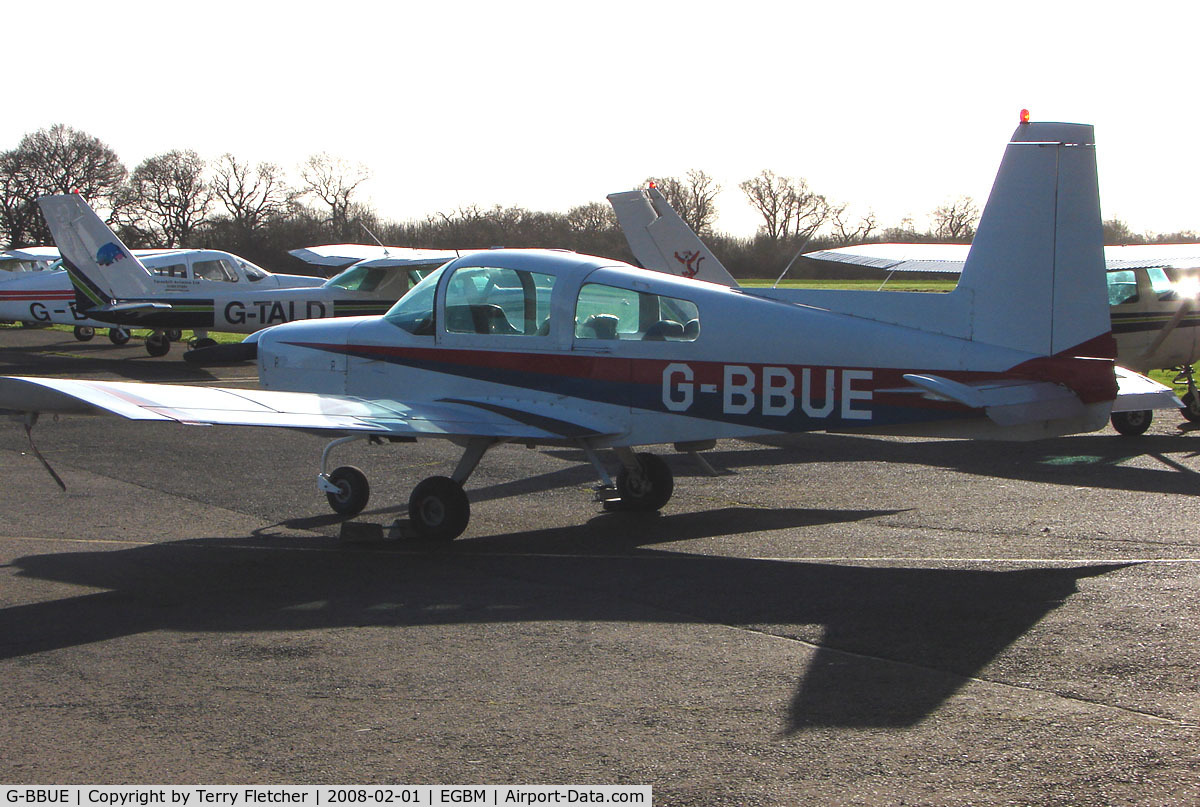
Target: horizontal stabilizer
1136,392
1007,402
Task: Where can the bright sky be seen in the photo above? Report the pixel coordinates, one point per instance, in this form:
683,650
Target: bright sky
897,107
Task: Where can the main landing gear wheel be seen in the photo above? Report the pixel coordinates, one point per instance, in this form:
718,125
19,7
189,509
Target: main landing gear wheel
173,334
649,490
353,491
1131,424
83,333
438,509
157,344
1191,407
118,336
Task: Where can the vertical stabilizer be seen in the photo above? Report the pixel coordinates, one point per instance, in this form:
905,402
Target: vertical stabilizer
662,241
1034,276
102,269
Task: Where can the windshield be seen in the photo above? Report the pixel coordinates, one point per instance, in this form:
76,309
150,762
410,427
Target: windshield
391,279
414,311
253,273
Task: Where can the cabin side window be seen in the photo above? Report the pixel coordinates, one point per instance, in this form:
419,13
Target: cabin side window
608,312
494,300
1122,287
174,270
1162,286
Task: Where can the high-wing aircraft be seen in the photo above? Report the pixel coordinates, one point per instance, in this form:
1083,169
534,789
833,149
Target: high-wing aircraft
113,286
547,347
26,259
1152,291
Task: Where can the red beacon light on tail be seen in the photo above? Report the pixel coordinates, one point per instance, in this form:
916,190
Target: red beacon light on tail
1024,116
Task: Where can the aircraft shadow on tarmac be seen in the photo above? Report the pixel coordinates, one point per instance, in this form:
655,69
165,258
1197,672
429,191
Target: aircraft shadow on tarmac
68,357
885,646
1094,460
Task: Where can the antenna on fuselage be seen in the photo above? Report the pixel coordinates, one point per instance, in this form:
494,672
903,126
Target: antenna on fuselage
373,237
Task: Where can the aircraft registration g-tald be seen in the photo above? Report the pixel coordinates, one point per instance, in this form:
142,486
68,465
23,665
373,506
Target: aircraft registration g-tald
49,297
551,348
112,285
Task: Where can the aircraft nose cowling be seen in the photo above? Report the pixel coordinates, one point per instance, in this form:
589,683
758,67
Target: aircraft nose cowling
308,356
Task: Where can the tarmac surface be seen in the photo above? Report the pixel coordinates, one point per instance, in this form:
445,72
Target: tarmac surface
830,620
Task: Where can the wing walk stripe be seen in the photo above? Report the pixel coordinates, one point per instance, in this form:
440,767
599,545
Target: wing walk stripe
563,428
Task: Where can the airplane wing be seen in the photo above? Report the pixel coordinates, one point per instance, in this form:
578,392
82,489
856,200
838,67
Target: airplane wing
947,258
208,406
343,255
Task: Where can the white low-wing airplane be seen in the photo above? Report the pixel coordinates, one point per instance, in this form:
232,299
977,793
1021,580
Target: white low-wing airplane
553,348
112,285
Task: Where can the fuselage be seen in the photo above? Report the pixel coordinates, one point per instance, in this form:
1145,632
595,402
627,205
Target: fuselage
661,358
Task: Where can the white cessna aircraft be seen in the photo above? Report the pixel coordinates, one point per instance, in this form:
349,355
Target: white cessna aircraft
544,347
112,285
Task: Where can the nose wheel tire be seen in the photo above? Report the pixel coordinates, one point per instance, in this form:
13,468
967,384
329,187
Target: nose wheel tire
1131,424
353,491
438,509
651,489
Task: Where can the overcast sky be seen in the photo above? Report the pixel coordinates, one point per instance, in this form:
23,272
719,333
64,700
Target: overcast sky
897,107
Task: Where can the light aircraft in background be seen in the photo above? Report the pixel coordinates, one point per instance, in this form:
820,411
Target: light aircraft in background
1151,288
26,259
546,347
111,285
49,297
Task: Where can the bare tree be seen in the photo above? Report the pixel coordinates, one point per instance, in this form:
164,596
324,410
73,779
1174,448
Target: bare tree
58,159
847,232
169,197
333,182
693,198
594,217
956,220
251,195
774,197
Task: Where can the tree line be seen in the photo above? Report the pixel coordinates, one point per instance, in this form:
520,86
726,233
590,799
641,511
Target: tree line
178,199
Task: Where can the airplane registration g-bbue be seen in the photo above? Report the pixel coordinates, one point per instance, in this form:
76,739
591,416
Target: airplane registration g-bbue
553,348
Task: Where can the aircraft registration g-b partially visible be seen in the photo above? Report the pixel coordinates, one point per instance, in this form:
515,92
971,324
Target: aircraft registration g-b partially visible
112,285
552,348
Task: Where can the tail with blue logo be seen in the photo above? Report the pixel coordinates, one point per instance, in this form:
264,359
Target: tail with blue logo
102,269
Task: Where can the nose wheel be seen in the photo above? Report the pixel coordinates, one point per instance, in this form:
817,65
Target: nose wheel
351,490
438,509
